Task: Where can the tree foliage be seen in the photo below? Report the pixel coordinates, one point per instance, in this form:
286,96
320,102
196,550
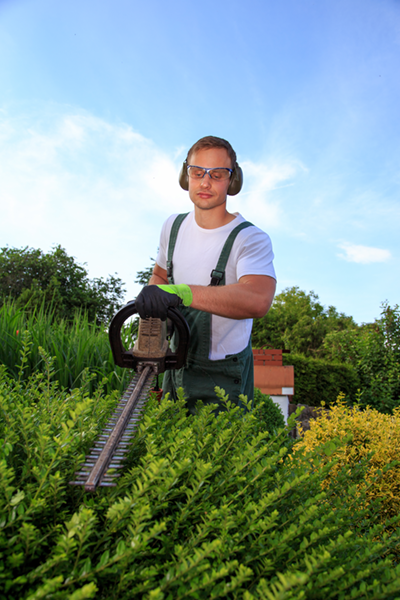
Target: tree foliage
143,277
33,278
298,322
374,351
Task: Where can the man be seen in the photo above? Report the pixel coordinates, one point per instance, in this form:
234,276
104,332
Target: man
218,307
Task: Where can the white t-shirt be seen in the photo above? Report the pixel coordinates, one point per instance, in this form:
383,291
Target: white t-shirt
196,254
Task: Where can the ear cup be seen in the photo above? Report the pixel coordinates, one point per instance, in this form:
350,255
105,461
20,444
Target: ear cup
236,181
183,177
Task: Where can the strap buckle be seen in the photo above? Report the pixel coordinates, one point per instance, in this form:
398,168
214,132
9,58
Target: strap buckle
216,277
169,268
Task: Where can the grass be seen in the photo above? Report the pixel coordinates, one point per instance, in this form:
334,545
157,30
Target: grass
80,348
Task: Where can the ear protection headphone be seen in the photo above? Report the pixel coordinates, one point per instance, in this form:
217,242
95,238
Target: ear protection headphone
235,183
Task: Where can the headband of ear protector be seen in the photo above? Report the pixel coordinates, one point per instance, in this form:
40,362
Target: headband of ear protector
235,184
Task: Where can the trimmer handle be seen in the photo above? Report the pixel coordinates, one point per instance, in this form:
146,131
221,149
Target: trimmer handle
126,358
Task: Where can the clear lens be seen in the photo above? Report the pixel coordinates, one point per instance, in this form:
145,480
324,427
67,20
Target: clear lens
196,172
218,174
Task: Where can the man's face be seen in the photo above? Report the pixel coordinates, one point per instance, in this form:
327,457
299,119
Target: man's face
207,193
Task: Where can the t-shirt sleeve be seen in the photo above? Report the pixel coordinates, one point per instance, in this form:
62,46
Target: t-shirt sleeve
162,254
254,254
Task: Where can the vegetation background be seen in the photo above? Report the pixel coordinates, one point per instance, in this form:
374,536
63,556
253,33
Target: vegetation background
34,278
208,506
50,294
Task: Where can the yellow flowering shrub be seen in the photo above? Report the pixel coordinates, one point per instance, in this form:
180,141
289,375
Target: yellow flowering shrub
365,435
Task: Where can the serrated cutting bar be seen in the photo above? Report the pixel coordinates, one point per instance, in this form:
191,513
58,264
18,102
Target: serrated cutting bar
150,355
112,445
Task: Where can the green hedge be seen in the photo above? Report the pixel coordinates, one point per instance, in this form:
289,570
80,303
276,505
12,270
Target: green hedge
208,506
317,381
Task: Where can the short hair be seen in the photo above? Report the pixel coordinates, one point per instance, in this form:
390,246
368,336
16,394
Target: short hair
211,141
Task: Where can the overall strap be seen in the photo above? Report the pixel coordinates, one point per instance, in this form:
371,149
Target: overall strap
218,274
171,245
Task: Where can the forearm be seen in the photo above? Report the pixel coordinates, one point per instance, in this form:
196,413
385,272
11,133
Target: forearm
244,300
250,298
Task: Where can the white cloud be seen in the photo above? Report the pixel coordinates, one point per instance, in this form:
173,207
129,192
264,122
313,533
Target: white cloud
102,190
260,179
363,254
78,158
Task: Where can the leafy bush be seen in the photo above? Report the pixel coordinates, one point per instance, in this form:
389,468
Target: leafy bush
271,417
77,345
317,381
208,506
366,435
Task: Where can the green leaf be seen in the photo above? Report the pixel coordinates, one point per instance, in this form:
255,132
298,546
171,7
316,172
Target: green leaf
17,498
104,559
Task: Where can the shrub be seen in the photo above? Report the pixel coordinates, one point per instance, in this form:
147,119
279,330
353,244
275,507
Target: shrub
271,417
317,381
208,506
365,435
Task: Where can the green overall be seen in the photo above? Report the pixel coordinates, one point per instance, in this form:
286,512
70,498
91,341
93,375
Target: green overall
200,375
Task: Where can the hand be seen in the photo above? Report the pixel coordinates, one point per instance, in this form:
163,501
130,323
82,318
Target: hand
155,302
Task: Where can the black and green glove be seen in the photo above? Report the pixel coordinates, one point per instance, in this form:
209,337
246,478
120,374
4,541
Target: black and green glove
155,300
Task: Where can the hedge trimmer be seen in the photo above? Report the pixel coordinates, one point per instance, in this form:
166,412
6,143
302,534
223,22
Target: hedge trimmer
150,356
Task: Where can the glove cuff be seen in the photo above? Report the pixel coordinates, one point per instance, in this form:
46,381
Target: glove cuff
182,290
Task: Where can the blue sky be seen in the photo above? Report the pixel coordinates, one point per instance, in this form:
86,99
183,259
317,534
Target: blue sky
99,102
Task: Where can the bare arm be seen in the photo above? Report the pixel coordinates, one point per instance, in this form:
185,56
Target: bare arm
250,298
159,276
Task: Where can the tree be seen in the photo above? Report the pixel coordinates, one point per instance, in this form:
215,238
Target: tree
298,322
33,277
374,351
143,277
